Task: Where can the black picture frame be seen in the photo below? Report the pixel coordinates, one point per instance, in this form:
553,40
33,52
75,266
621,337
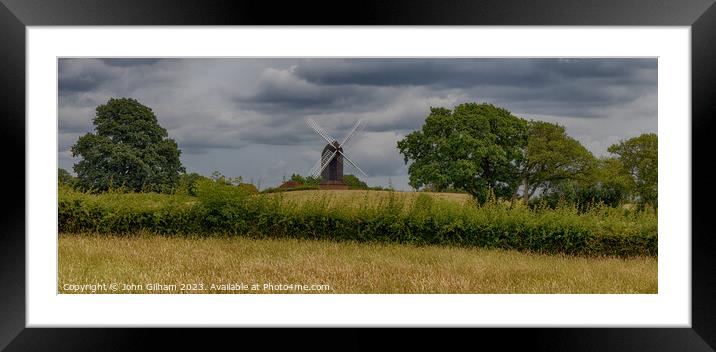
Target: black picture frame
15,15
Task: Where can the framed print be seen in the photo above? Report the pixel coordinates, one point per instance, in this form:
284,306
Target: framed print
474,165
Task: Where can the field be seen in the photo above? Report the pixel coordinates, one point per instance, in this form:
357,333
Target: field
346,267
358,197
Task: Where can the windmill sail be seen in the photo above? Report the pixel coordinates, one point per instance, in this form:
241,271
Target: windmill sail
359,124
333,154
352,163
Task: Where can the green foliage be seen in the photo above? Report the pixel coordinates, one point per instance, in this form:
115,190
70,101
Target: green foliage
249,188
220,208
430,188
639,157
188,182
311,182
551,156
354,182
221,204
474,148
129,149
607,183
611,174
308,180
65,178
220,178
298,178
582,196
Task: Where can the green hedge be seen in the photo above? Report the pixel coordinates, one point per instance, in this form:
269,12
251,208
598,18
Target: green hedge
219,209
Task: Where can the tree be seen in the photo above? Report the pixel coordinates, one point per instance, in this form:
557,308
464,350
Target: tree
639,157
551,156
129,149
475,148
354,182
65,178
610,174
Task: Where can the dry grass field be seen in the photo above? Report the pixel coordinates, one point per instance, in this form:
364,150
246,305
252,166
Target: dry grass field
357,198
144,263
373,195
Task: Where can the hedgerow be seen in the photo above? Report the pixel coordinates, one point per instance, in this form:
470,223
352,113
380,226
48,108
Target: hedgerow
601,231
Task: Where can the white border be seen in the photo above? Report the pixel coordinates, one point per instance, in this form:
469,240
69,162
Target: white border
670,307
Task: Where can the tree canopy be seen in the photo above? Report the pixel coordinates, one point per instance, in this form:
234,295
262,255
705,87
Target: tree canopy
65,178
128,149
639,158
552,156
474,148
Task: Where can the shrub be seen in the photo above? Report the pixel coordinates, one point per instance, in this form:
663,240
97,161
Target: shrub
249,188
583,198
188,183
221,208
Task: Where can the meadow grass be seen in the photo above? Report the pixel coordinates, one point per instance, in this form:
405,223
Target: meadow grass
347,267
352,198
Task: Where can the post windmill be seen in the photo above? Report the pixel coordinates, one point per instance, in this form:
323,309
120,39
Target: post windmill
330,164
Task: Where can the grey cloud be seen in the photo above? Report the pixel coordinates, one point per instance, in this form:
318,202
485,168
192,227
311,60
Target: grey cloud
128,62
468,72
81,75
280,90
375,153
246,116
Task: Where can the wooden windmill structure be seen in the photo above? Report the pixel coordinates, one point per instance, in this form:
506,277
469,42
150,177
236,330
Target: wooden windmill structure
330,165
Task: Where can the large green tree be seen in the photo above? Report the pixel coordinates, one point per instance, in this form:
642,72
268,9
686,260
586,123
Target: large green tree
551,156
474,147
639,157
128,149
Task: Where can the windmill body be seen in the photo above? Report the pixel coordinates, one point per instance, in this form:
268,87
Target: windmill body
333,173
330,165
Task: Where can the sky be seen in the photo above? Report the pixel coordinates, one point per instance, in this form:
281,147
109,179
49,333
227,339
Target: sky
246,116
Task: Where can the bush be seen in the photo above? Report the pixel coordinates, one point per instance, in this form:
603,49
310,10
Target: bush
249,188
583,198
230,210
188,183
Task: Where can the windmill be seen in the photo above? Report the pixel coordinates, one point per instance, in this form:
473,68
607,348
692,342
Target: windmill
330,165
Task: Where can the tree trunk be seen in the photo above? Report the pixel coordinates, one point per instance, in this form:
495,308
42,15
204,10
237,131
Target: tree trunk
526,195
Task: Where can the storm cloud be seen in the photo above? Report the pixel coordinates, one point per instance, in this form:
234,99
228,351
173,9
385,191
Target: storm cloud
245,116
